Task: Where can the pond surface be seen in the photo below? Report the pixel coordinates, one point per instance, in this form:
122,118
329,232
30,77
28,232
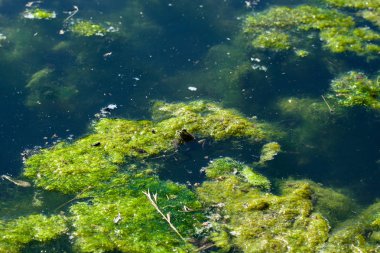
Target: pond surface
55,83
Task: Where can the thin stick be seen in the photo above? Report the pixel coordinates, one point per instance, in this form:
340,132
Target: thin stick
328,106
76,9
153,201
71,200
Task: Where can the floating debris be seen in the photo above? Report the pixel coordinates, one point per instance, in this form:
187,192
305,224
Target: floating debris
16,181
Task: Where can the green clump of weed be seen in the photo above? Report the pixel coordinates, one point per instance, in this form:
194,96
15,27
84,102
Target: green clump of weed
17,233
245,218
284,28
87,29
356,89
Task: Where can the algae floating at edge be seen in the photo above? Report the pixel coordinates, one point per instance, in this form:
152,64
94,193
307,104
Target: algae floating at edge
17,233
283,28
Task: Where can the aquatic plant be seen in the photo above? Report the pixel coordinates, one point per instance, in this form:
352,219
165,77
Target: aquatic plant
45,90
120,217
38,13
372,16
220,167
334,204
359,234
245,218
356,89
17,233
72,167
356,4
87,29
283,28
268,152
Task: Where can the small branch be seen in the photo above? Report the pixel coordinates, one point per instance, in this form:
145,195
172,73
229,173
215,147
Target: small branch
76,9
153,201
328,106
71,200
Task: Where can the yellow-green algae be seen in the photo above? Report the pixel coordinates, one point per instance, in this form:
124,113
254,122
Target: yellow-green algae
356,89
360,234
334,204
71,167
87,29
244,218
282,28
38,13
268,152
17,233
372,16
121,218
356,4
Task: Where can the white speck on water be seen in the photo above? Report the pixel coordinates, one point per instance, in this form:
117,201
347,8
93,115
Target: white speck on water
192,88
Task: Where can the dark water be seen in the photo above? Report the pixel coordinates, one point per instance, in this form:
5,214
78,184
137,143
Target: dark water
160,49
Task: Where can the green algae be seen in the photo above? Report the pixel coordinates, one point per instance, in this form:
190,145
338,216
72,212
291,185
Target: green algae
17,233
72,167
268,152
334,204
356,89
355,4
38,13
44,90
284,28
121,218
244,218
87,29
359,234
221,167
372,16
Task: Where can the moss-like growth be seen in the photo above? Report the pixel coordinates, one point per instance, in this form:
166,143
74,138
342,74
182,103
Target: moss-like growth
356,89
17,233
88,29
275,40
96,157
120,217
372,16
302,53
220,168
280,28
244,218
268,152
38,13
359,234
356,4
332,204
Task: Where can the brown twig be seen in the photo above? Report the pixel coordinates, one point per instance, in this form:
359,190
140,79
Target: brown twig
153,200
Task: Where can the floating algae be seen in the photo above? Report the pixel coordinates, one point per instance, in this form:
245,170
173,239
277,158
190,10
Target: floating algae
284,28
38,13
87,29
356,89
17,233
95,158
244,217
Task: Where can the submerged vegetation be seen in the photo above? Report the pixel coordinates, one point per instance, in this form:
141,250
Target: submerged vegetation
192,175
